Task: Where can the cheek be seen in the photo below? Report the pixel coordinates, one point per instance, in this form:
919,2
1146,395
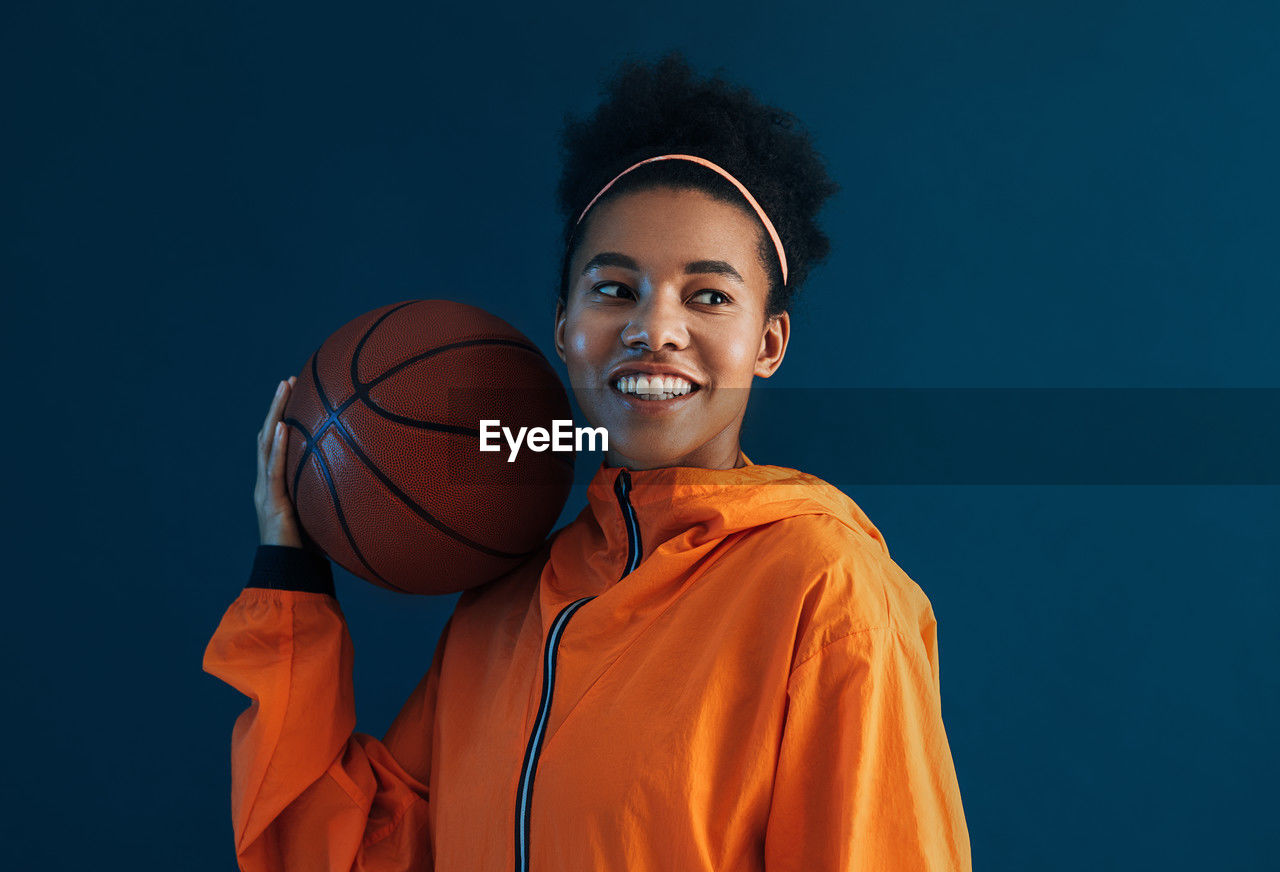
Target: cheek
580,344
736,358
587,343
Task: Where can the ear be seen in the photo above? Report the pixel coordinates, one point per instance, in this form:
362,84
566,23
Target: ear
559,328
773,344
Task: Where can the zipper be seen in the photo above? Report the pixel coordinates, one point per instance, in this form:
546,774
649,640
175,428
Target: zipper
622,487
531,753
524,795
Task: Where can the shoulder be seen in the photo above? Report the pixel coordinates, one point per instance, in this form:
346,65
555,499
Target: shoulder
837,573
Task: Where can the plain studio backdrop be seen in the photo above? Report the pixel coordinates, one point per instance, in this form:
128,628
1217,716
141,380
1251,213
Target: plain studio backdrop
1044,195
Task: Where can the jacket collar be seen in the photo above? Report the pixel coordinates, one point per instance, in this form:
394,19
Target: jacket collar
679,508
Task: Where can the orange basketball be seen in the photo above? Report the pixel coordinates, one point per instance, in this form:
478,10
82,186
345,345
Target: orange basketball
384,463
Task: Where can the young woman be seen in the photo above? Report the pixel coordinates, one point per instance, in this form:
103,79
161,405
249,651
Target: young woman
716,666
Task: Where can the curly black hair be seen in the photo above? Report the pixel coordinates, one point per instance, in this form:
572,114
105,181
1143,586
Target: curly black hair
663,108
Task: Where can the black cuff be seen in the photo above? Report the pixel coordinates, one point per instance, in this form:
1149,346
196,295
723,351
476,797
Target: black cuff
283,567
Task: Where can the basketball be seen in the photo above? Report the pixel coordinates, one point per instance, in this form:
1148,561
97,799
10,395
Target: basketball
384,463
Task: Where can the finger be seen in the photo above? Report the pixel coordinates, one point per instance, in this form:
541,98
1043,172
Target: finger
267,433
279,450
272,413
281,398
265,458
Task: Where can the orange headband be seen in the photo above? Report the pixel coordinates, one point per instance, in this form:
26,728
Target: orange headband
768,225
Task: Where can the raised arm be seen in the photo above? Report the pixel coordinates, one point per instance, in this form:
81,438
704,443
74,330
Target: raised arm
308,793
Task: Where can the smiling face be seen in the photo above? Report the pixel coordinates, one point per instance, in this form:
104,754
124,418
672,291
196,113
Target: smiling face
668,284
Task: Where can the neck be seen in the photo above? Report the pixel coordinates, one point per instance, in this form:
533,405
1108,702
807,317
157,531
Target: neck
706,457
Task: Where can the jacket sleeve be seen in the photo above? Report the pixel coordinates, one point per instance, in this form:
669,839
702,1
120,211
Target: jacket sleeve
865,779
308,793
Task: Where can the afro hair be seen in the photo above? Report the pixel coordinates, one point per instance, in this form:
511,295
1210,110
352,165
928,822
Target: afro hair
663,108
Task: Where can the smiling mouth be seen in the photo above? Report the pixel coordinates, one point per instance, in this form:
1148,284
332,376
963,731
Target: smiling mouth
654,390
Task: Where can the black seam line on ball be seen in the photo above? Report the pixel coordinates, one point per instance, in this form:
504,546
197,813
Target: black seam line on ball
333,420
355,356
311,439
362,389
341,430
308,441
419,510
342,520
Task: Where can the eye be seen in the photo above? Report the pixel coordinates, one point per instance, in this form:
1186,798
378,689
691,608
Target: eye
719,294
621,288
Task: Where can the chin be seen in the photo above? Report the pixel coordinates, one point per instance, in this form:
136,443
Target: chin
642,454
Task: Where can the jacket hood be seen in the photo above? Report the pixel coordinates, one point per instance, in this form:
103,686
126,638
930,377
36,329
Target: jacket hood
685,509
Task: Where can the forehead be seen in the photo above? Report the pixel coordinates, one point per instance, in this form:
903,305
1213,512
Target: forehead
664,228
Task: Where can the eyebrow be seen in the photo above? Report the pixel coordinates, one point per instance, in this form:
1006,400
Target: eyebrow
697,267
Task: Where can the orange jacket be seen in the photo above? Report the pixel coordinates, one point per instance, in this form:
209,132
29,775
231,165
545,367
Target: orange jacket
706,670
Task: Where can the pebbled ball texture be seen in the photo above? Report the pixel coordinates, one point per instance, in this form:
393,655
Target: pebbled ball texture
384,463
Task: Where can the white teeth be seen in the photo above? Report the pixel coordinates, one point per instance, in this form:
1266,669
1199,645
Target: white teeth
654,387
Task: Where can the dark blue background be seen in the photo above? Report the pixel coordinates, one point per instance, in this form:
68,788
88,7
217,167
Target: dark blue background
1066,194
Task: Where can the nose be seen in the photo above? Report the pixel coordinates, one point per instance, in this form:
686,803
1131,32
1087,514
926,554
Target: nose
657,322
